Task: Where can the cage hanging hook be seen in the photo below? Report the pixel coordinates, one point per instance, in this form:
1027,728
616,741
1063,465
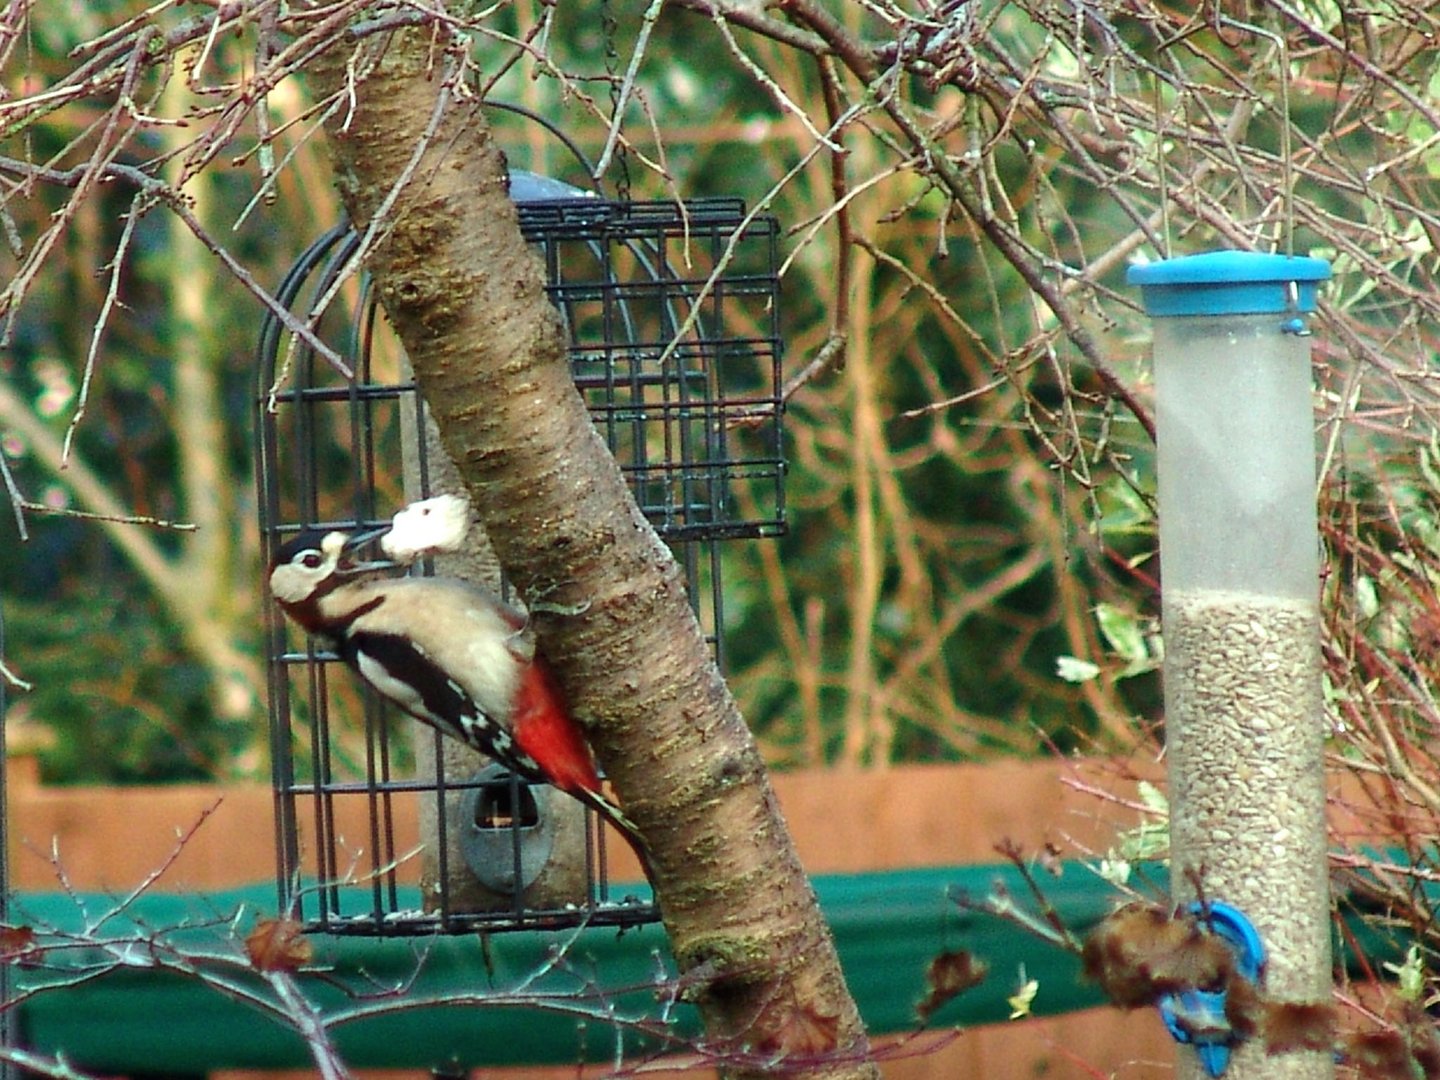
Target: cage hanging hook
1287,167
1217,20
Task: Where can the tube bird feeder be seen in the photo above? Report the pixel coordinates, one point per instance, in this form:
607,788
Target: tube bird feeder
1239,557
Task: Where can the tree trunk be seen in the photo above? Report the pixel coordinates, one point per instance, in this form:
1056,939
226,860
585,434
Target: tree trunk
467,299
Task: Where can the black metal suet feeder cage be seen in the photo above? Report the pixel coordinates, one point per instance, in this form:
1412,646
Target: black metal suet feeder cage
672,312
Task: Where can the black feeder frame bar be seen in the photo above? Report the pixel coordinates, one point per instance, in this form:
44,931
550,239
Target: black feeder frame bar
672,312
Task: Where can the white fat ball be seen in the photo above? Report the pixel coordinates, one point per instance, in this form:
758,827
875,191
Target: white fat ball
427,527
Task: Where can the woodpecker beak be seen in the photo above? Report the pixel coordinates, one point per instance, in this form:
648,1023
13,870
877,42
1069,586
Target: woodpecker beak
353,543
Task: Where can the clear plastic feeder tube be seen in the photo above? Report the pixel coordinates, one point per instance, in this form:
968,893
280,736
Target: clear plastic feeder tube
1236,457
1239,558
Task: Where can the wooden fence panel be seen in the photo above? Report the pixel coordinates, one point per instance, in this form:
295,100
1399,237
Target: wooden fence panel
914,815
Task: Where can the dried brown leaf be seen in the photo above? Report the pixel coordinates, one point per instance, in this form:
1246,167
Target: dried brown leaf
803,1030
1298,1025
1140,952
278,945
1380,1055
17,945
949,975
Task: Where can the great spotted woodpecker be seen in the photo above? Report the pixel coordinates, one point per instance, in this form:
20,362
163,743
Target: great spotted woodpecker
447,652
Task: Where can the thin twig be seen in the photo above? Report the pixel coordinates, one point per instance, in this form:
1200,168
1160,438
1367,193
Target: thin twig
113,519
138,206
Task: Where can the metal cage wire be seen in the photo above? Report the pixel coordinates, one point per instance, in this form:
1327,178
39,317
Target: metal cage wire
672,316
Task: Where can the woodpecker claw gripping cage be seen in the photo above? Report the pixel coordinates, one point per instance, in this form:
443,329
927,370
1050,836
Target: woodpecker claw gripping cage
672,312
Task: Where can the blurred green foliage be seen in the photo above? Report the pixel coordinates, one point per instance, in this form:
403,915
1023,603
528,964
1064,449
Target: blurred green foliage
954,499
969,568
117,697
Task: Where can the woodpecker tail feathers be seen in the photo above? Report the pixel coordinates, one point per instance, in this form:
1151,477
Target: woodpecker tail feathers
609,812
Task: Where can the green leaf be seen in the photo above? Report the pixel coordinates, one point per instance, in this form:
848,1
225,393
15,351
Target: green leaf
1153,798
1122,632
1409,976
1126,636
1074,670
1023,998
1367,599
1115,870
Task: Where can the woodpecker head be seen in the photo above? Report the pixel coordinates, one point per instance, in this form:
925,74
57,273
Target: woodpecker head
313,563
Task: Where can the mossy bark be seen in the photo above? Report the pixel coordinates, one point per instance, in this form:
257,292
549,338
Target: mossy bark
467,299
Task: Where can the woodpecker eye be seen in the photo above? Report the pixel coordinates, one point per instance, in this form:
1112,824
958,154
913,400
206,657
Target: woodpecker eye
311,560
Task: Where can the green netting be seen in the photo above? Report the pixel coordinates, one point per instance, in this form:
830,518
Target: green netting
888,927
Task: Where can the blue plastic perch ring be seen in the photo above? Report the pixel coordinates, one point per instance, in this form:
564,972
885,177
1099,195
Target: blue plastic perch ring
1197,1017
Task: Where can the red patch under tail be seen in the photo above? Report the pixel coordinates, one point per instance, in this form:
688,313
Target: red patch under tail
544,729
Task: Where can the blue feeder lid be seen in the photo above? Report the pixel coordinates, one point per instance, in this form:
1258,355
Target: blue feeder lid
1229,283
